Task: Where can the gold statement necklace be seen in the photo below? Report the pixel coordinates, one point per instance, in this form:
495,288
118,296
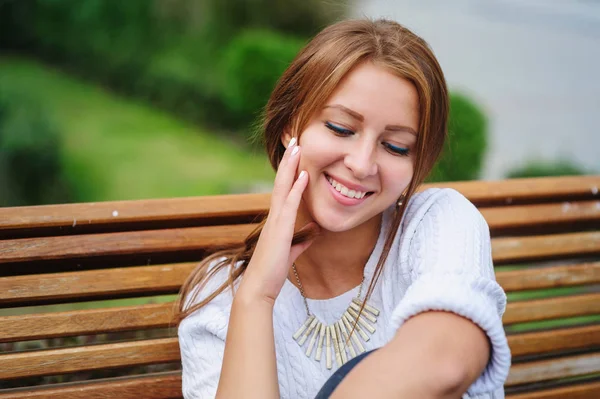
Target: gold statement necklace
333,338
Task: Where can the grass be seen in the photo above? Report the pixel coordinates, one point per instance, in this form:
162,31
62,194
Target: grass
116,148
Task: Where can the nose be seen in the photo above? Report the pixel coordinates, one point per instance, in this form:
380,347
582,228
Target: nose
360,159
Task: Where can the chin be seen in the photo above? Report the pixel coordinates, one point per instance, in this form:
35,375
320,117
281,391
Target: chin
330,220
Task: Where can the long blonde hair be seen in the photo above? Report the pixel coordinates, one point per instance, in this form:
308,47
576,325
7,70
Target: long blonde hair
303,90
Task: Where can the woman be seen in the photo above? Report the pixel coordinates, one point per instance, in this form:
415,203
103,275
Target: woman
350,258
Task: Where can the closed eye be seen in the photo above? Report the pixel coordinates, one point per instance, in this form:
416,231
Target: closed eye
396,150
340,131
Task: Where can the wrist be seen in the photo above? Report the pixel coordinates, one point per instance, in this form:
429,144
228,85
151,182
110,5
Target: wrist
251,296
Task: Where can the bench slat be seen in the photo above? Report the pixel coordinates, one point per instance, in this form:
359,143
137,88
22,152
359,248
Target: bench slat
544,370
154,386
67,360
518,249
507,249
549,277
519,216
589,390
210,208
93,284
249,205
115,244
86,358
168,386
85,322
552,308
168,278
563,339
82,322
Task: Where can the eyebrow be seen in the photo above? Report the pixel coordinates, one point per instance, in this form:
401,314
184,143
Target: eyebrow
356,115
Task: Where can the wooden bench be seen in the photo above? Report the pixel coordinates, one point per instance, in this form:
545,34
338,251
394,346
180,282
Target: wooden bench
71,279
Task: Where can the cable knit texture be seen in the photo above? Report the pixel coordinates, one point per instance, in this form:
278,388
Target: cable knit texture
441,260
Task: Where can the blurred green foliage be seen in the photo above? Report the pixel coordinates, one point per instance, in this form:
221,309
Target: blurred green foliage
31,169
115,148
253,62
464,151
168,52
546,168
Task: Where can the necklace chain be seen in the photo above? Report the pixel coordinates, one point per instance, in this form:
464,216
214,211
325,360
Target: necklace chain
304,295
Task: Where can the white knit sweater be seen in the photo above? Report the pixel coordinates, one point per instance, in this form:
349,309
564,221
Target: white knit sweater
441,260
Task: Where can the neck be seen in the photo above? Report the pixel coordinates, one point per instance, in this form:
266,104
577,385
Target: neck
335,261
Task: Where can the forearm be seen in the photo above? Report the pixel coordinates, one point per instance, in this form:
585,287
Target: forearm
249,364
424,360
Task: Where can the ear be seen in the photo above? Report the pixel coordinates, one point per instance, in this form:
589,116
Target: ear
285,138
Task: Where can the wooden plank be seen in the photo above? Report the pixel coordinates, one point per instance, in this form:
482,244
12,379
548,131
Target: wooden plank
549,277
66,218
544,370
84,322
93,284
580,390
154,386
86,358
552,308
115,244
93,321
168,278
541,215
168,386
69,216
519,249
558,340
530,189
504,250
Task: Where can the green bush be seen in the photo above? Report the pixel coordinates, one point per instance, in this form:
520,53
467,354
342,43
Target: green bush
251,66
464,152
167,52
546,168
31,171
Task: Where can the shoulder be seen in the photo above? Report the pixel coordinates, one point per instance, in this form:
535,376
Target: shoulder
436,207
442,226
434,201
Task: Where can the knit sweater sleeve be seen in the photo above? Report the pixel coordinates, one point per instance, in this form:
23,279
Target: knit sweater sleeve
202,342
448,252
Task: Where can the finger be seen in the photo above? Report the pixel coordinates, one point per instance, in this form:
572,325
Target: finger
284,179
292,202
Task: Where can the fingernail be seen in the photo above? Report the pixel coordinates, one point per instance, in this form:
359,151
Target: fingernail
292,142
295,150
301,175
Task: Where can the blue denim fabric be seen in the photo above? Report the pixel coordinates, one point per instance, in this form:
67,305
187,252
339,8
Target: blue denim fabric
337,377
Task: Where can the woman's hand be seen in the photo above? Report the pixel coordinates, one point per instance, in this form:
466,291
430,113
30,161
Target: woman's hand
274,253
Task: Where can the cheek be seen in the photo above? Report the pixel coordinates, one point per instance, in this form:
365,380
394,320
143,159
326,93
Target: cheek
398,178
317,150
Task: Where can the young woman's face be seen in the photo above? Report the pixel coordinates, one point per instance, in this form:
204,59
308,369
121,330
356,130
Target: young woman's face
358,150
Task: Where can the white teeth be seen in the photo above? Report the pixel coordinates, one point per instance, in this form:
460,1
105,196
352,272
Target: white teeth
345,191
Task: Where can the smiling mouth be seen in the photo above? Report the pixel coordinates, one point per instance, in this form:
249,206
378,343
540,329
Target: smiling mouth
345,191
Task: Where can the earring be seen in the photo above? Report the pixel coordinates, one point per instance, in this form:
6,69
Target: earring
400,200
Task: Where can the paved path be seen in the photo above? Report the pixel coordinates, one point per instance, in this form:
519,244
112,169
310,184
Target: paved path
534,66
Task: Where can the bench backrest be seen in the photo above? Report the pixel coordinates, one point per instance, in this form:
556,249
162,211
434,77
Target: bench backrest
86,290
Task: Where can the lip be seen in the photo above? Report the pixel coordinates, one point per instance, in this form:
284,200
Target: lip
351,186
340,198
